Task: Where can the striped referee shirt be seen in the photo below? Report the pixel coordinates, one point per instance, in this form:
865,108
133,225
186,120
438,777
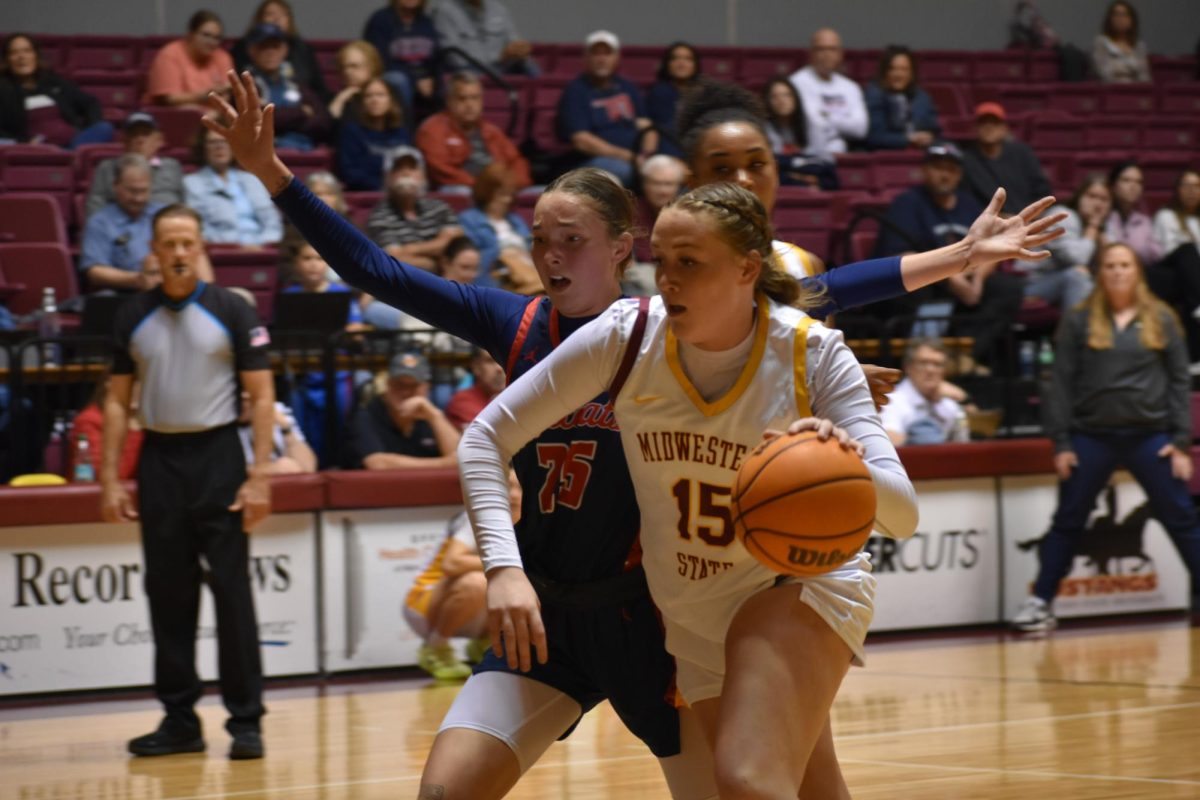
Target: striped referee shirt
188,355
386,226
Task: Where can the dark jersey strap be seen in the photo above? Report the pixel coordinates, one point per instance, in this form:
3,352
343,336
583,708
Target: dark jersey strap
522,333
631,349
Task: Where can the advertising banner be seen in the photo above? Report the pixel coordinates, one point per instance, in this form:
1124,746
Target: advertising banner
73,614
1126,562
948,573
369,560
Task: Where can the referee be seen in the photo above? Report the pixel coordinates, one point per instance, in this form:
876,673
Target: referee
194,346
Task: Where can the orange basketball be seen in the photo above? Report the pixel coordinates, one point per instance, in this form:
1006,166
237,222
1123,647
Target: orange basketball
802,506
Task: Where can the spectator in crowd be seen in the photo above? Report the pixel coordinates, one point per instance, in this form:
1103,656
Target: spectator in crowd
484,30
995,159
1119,397
308,272
196,498
920,411
407,41
233,205
187,70
401,428
663,177
459,143
1176,278
40,106
89,423
500,234
935,214
1127,223
290,453
141,136
677,72
902,114
115,250
600,113
369,135
833,104
301,63
301,121
408,225
488,381
1065,279
1118,53
357,63
787,131
328,188
449,598
460,261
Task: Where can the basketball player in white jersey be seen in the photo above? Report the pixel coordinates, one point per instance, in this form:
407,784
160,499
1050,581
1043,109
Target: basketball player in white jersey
716,362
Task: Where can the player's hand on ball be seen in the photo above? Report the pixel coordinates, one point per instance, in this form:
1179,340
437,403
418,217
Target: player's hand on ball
515,618
824,429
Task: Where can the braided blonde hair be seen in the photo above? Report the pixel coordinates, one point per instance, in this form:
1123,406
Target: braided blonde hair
743,223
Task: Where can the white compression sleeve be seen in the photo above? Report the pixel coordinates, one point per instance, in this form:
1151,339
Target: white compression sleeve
838,391
576,372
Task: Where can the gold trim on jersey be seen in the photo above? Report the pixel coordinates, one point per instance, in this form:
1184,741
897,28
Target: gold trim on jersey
729,398
800,357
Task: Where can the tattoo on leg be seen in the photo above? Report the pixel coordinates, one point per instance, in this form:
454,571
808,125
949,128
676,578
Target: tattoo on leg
431,791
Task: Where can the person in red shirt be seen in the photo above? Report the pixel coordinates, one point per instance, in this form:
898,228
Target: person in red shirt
458,142
89,422
466,404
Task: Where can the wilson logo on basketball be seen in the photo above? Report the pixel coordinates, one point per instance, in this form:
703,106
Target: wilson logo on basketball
803,557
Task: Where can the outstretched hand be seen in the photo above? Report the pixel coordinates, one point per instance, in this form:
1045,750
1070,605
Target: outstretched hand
994,238
250,130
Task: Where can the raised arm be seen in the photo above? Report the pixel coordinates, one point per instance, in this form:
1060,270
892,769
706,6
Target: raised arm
992,239
473,313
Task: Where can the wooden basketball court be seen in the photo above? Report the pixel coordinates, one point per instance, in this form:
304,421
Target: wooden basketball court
1086,713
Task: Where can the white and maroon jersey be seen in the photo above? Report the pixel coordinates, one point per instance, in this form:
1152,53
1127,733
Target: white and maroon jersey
683,451
796,261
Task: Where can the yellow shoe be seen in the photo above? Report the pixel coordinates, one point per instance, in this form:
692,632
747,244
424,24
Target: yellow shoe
442,663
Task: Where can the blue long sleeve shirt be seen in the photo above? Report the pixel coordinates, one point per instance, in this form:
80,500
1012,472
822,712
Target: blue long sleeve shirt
488,317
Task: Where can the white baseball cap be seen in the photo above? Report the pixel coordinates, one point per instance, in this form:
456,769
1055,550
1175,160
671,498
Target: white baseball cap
602,37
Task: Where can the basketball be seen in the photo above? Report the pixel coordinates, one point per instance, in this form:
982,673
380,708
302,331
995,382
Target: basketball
802,506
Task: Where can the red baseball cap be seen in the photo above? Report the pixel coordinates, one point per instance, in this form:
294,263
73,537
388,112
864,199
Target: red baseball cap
990,110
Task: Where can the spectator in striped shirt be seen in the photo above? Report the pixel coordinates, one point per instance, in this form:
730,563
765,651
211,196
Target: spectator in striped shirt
408,225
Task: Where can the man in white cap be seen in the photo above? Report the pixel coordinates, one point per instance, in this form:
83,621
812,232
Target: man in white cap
600,113
410,226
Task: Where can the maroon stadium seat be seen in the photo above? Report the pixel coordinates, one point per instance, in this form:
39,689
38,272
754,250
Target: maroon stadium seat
1023,99
1113,132
948,99
1056,134
945,66
178,125
998,66
1076,98
854,172
896,170
1042,66
31,217
37,265
1170,133
1128,99
722,63
104,53
1180,98
862,244
1172,69
33,168
117,92
763,63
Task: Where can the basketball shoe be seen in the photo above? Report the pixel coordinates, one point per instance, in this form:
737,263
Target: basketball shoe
1034,615
441,662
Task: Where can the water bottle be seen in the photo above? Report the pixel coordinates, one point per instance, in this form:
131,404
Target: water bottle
1045,358
49,326
962,427
1028,358
84,470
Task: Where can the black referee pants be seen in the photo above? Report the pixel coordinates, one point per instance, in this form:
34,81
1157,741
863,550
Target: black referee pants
186,483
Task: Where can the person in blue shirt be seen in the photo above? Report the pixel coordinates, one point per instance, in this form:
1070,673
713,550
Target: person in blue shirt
678,71
301,120
309,273
232,203
370,131
407,41
116,240
901,113
600,113
937,213
578,536
492,225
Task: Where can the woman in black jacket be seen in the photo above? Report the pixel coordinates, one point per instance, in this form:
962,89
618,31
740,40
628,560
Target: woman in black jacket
306,70
39,105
